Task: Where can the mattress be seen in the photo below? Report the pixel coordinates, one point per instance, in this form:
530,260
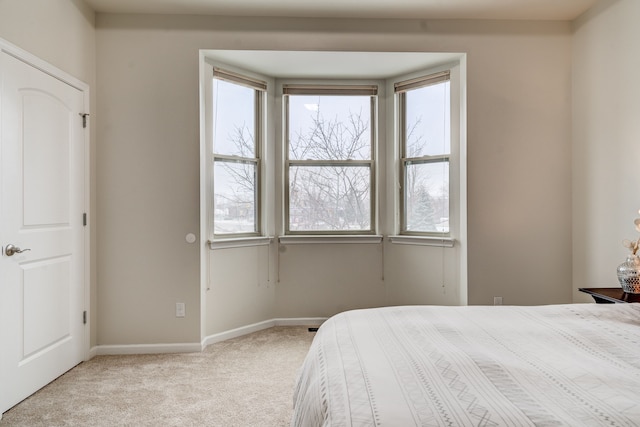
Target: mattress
556,365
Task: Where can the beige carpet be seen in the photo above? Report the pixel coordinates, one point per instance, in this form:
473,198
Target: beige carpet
247,381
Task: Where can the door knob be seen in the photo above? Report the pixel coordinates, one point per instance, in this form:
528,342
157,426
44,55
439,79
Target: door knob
10,250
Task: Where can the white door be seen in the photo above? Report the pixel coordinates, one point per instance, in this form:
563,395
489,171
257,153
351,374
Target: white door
41,212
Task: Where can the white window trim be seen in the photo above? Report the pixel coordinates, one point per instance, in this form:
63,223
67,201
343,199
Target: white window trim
401,89
445,242
266,153
239,242
457,192
333,239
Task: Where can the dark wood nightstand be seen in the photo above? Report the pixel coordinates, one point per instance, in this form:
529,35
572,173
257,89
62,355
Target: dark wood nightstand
610,295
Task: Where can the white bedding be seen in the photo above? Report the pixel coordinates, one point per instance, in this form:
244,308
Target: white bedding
557,365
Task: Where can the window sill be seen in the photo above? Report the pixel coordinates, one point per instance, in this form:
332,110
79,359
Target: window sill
445,242
239,242
306,240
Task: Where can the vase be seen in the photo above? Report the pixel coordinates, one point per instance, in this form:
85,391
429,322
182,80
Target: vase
629,275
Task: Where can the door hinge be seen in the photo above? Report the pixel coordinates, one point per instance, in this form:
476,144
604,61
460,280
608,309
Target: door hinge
84,317
84,119
84,219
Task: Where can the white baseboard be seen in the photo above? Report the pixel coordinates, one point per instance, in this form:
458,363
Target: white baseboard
93,352
237,332
244,330
103,350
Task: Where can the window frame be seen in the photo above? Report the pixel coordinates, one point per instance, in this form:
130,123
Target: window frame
320,89
424,79
260,98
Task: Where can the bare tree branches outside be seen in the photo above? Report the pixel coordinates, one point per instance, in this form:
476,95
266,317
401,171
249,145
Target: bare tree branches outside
330,161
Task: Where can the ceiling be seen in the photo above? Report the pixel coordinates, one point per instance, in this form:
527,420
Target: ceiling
564,10
315,64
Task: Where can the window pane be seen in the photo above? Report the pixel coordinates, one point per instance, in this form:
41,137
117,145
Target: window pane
329,127
233,119
234,199
427,197
428,121
329,198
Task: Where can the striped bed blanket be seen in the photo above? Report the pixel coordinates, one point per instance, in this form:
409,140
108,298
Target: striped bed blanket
555,365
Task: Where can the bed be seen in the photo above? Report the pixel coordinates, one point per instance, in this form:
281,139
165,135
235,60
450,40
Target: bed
555,365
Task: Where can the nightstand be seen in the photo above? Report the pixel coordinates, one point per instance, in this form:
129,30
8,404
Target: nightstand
610,295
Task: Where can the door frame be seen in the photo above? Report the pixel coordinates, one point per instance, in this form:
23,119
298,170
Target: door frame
64,77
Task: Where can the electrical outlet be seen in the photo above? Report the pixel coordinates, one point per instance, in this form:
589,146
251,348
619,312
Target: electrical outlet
180,309
497,300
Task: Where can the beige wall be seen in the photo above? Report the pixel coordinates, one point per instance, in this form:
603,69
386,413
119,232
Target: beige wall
147,175
241,288
606,135
148,185
520,89
519,157
325,279
62,33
